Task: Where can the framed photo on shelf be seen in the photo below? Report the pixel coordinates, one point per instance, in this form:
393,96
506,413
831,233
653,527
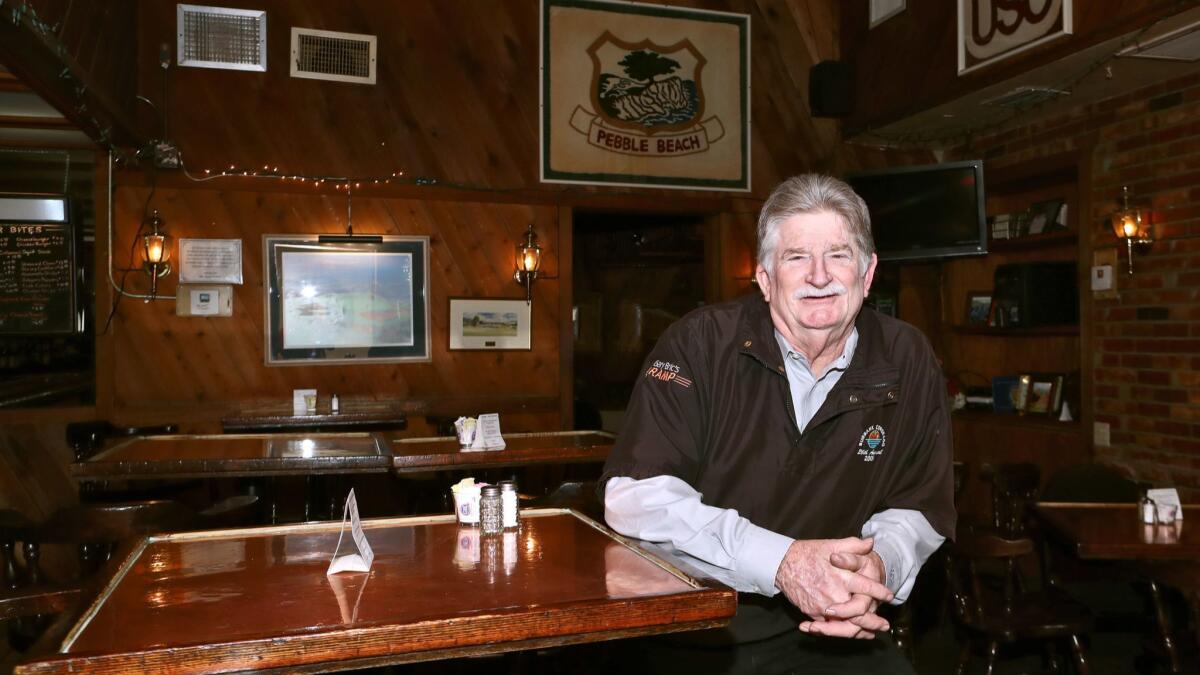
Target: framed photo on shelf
1021,394
1046,216
979,308
1043,393
489,323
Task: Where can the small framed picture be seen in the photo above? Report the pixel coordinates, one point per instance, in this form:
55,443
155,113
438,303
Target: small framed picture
1046,216
1043,393
483,323
1021,395
979,308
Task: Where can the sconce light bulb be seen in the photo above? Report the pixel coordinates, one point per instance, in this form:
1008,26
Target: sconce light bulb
154,249
1129,226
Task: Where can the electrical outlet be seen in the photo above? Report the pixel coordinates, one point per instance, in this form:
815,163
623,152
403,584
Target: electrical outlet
203,300
1100,434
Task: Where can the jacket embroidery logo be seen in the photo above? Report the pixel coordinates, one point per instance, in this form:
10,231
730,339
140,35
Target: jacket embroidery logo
667,372
871,443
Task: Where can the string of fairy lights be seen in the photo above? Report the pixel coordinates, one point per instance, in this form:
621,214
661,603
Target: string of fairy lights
269,172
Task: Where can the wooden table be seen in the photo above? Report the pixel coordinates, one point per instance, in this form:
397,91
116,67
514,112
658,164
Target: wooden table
259,598
559,447
1167,553
228,455
1114,532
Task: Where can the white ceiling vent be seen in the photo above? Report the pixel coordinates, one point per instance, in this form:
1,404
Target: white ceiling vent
1024,97
328,55
220,37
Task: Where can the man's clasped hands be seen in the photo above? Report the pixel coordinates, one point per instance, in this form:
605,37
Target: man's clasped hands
837,582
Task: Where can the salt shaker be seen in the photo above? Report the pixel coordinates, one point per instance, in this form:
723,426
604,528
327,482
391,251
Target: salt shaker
508,504
490,518
1146,508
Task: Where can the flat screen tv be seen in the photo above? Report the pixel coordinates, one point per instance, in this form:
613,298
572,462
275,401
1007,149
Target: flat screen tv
922,212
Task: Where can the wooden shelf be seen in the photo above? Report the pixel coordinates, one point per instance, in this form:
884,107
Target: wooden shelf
1030,242
1034,331
1015,420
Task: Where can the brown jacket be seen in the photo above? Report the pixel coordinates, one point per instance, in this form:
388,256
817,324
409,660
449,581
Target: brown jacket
713,408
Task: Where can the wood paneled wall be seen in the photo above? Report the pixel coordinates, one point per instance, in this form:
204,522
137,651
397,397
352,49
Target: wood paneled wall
198,367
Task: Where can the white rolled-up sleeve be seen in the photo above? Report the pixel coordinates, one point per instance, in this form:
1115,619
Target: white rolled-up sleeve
904,540
665,509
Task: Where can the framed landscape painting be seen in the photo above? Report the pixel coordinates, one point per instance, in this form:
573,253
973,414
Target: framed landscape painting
345,301
482,323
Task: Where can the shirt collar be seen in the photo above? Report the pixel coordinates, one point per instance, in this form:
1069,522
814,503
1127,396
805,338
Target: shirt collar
841,363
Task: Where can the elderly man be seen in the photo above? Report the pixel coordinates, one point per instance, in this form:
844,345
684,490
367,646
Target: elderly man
797,441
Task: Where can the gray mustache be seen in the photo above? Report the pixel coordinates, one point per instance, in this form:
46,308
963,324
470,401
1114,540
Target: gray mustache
834,288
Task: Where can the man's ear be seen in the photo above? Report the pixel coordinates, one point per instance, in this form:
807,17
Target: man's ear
764,282
870,275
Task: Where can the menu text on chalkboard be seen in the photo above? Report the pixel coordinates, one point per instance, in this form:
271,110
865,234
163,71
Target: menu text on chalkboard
37,278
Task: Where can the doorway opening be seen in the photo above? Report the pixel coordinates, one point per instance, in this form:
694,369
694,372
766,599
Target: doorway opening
634,275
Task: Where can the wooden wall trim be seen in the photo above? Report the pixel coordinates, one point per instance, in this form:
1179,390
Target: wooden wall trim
102,290
566,323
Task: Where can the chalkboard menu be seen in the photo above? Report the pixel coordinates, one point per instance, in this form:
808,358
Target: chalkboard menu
37,266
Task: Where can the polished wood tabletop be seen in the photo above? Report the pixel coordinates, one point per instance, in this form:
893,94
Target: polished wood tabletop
1115,532
216,455
260,599
556,447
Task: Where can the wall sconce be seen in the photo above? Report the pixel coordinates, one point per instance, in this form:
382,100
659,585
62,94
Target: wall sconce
1131,224
529,258
156,252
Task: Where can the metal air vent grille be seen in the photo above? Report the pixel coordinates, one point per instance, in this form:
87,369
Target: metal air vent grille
220,37
1024,97
329,55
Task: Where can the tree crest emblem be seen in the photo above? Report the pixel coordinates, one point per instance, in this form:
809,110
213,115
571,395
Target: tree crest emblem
647,87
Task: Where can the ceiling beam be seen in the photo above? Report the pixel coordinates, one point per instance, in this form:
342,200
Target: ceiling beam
36,58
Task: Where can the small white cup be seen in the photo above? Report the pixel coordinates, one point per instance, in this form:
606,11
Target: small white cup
466,505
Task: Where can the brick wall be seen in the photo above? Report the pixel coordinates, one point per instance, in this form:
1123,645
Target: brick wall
1145,355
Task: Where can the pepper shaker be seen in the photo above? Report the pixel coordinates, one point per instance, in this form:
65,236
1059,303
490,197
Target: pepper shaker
490,518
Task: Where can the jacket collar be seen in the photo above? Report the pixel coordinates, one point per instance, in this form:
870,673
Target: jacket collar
756,338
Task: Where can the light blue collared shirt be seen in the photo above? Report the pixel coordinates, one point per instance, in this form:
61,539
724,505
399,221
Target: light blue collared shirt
809,390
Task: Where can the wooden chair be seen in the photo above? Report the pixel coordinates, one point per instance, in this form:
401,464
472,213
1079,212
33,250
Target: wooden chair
995,614
1014,488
